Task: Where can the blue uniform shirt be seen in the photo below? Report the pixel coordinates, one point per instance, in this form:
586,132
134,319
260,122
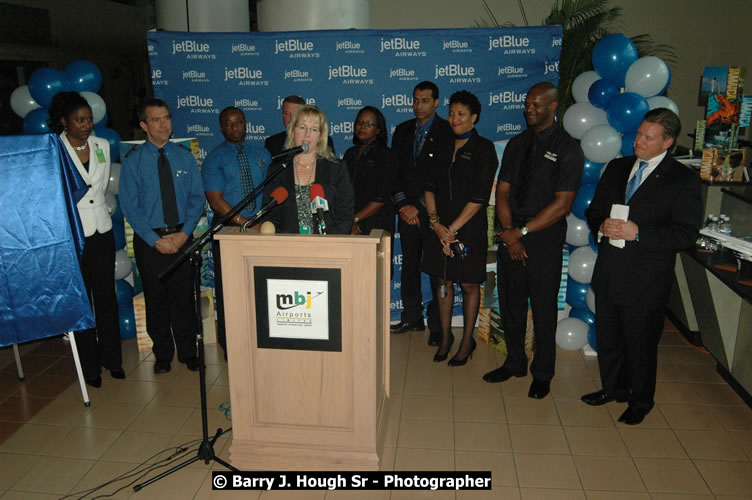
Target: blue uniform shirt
140,195
221,172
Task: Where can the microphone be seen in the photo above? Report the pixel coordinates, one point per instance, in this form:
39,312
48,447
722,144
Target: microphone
303,148
279,196
319,205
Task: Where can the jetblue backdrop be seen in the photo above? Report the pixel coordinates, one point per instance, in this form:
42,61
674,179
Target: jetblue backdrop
199,74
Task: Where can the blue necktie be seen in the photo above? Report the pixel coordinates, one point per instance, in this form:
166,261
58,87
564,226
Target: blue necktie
635,181
246,176
420,137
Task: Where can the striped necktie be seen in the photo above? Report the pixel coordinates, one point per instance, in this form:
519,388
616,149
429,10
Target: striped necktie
635,181
246,176
167,190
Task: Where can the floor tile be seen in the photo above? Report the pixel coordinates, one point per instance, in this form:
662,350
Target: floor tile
54,475
609,473
577,413
550,494
734,418
710,445
548,439
474,436
426,434
165,419
131,391
524,410
501,465
689,416
61,412
21,408
408,459
726,478
101,480
505,493
420,407
546,471
183,483
34,438
15,466
669,475
111,415
470,409
137,447
616,495
596,441
85,442
656,443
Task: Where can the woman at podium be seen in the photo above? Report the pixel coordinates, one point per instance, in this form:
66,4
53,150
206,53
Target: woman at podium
457,194
317,181
70,116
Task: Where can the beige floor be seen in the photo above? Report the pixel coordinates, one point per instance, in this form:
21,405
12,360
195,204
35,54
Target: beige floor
696,444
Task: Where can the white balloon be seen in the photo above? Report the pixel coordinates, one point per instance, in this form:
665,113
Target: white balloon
581,117
114,185
581,85
129,279
590,298
122,264
21,101
571,334
581,263
98,107
111,202
660,101
601,143
577,231
647,76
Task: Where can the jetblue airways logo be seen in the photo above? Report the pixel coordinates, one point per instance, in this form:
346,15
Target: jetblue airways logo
511,44
549,67
402,74
298,75
350,75
309,100
156,78
198,129
247,104
296,48
512,71
246,76
349,47
509,98
402,47
456,46
198,103
341,128
350,103
192,49
456,73
244,49
402,102
195,76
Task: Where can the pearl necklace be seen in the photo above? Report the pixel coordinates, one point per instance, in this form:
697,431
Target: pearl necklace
81,148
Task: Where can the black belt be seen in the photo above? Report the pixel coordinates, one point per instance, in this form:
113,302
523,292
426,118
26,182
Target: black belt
165,230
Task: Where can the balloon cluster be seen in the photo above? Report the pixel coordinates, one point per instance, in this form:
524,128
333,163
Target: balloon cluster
610,104
31,102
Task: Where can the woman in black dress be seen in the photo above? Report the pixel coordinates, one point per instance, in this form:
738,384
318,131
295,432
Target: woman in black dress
457,194
373,171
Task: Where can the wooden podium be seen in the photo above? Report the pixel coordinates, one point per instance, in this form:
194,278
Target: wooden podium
307,321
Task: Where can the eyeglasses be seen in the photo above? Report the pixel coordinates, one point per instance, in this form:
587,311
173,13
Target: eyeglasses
361,123
306,130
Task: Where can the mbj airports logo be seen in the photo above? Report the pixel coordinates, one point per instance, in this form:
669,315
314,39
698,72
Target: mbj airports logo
456,46
298,75
402,74
247,104
402,47
510,44
456,73
509,99
195,76
294,309
193,49
244,49
349,47
246,77
156,78
198,104
402,103
350,75
296,49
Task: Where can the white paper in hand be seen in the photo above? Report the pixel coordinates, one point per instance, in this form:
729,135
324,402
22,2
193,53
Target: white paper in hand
620,212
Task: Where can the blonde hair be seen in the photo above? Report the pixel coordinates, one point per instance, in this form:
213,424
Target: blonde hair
322,147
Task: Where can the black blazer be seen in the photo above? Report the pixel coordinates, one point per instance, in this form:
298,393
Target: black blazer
667,209
412,174
333,177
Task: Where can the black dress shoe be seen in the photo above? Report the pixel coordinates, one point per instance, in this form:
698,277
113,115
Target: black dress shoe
434,338
161,367
193,364
118,373
539,389
439,356
457,361
405,326
501,374
600,398
633,415
94,382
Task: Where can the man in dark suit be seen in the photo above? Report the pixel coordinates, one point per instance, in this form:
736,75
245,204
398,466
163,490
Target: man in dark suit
634,270
416,143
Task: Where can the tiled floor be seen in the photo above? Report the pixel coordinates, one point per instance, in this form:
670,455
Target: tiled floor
696,444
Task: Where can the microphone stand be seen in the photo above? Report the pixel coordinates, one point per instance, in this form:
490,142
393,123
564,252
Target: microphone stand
205,450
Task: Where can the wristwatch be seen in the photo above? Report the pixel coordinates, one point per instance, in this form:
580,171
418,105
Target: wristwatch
524,230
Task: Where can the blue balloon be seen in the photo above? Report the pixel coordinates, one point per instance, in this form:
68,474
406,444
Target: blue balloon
626,111
592,242
568,247
602,92
582,313
612,57
127,320
44,83
627,144
35,122
117,215
124,292
114,139
83,76
591,337
591,173
577,293
582,200
118,231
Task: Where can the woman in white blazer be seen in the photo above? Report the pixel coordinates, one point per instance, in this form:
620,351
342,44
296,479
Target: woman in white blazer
71,117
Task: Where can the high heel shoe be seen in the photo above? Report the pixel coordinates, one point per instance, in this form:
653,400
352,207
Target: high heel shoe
455,361
439,356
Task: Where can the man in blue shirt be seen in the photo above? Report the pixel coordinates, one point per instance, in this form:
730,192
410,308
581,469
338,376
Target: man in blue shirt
230,172
162,198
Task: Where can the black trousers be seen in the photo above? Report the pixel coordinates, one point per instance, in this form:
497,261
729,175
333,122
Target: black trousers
100,346
170,306
538,280
219,297
627,338
412,238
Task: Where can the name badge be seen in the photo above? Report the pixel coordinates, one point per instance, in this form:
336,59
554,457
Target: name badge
550,156
100,155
